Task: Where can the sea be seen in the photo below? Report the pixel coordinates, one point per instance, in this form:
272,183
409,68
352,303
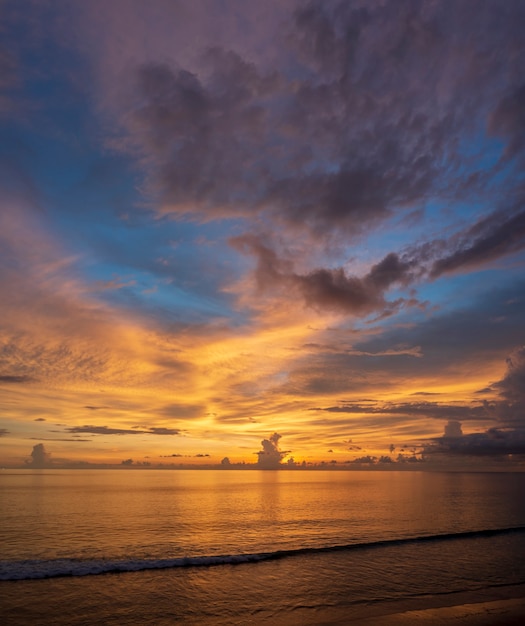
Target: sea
237,547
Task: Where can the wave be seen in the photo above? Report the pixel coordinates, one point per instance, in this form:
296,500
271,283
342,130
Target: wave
31,569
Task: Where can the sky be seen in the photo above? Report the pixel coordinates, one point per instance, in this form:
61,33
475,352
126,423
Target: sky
276,233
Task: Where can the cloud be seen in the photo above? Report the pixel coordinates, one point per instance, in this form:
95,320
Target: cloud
105,430
496,236
512,386
434,410
453,429
71,439
4,432
6,378
270,456
341,134
494,442
9,77
367,460
508,120
509,409
182,411
157,430
331,289
40,458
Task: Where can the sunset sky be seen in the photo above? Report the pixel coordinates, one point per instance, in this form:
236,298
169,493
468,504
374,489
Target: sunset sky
226,219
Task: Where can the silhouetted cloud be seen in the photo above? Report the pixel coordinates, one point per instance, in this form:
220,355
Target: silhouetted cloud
453,429
510,408
6,378
182,411
366,460
39,457
4,432
71,439
160,430
106,430
494,442
270,456
419,409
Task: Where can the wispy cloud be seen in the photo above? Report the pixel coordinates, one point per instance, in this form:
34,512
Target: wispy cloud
106,430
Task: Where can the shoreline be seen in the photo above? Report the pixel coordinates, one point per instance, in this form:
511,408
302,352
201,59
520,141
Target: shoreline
113,599
509,612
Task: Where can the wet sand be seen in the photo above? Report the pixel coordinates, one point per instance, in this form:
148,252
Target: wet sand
496,613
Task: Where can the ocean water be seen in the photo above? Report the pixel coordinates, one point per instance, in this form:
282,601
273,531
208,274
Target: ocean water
253,547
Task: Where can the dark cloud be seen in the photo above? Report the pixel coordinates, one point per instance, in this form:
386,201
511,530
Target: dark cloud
496,236
434,410
366,460
71,439
331,289
182,411
39,457
346,131
509,410
105,430
162,431
270,456
512,387
493,237
508,120
4,432
40,419
6,378
494,442
453,429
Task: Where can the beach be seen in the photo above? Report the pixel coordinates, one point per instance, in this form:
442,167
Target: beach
498,612
262,594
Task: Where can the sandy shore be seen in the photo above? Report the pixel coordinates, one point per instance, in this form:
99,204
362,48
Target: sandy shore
496,613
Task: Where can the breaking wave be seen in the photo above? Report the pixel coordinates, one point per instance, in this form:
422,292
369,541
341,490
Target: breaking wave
35,569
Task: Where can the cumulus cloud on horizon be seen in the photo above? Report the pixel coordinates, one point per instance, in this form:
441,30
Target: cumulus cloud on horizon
271,456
